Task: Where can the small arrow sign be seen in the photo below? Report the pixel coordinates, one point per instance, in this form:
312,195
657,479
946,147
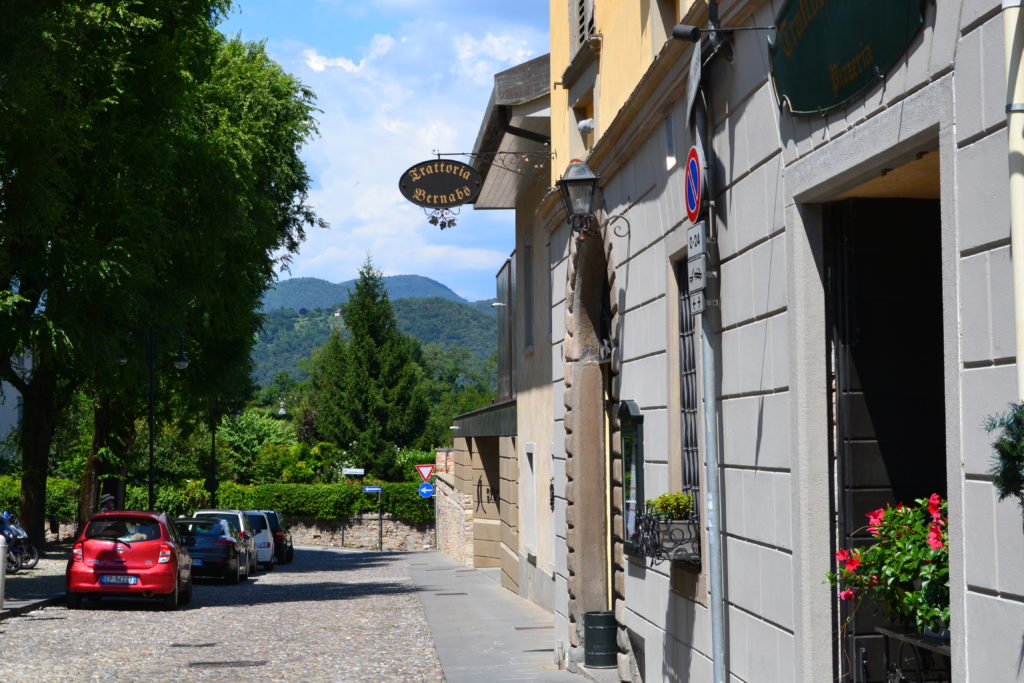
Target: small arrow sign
425,472
371,489
426,490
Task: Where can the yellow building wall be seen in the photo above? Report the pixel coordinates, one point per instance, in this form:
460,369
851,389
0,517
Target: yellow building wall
632,34
560,55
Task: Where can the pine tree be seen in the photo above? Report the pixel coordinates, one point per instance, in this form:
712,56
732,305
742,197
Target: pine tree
380,404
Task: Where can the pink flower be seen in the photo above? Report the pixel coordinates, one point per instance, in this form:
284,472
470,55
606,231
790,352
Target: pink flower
842,555
935,537
934,507
852,563
874,520
846,594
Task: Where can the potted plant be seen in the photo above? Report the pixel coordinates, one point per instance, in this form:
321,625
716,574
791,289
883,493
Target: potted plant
674,506
1008,460
905,571
678,534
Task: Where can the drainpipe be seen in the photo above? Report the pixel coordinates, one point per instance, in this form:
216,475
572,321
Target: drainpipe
1014,41
710,403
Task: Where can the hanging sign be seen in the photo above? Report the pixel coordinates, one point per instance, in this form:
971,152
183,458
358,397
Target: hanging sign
694,182
440,184
825,53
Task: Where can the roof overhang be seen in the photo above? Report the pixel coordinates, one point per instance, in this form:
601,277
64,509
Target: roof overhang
513,146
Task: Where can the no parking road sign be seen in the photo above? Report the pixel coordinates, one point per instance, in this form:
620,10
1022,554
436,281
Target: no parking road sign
694,182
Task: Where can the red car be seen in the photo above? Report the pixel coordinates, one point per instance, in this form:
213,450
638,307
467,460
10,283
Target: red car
129,554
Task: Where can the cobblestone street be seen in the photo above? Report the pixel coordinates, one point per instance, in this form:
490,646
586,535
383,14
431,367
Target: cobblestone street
331,615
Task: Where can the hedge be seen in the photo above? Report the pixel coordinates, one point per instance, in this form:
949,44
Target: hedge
321,501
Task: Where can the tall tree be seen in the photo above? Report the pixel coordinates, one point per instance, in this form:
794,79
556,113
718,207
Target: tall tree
87,90
149,171
380,402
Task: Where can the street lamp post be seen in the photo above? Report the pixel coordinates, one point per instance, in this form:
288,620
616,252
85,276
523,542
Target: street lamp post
212,483
151,367
180,362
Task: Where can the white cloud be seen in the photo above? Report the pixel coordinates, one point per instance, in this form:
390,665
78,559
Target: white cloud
380,45
409,95
479,59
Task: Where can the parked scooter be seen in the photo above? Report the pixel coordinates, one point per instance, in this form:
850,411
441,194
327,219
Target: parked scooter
13,554
18,543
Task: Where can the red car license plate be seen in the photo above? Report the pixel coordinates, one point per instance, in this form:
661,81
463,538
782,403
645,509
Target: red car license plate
119,578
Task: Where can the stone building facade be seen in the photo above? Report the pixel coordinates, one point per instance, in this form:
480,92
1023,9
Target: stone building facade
857,329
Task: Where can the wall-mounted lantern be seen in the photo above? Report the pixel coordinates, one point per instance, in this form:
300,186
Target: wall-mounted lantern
579,188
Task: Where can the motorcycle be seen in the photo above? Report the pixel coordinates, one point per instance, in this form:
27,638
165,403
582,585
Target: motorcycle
13,556
27,555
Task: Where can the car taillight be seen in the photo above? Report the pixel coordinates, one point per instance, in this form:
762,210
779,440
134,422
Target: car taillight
223,541
264,545
279,535
76,552
165,554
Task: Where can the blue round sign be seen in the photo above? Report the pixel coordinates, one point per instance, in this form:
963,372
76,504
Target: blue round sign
426,489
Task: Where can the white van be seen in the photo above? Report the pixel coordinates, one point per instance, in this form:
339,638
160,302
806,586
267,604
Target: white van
264,537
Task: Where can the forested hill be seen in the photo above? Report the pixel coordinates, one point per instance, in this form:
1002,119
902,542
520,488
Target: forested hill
310,292
289,337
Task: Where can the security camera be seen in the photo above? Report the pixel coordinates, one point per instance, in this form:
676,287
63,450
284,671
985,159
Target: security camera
586,126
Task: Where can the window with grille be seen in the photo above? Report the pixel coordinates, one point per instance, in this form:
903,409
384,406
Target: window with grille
688,392
584,20
506,334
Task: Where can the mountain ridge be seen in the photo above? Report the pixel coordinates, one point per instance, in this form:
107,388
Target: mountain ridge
310,292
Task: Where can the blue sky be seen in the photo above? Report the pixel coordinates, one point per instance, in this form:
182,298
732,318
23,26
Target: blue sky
397,81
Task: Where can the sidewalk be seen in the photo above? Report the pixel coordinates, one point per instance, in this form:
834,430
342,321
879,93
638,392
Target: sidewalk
483,632
31,589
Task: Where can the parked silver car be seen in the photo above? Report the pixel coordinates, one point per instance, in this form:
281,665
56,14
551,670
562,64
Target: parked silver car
239,519
264,538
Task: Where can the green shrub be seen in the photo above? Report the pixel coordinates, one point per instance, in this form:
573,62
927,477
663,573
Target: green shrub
672,505
320,501
409,458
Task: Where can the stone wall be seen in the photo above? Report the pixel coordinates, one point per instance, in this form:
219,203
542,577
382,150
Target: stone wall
454,520
359,532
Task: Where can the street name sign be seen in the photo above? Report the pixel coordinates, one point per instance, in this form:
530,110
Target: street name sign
353,471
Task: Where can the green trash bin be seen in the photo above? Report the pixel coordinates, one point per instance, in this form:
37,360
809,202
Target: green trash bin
599,648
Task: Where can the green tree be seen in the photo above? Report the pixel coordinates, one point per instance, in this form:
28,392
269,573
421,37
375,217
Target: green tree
87,99
243,437
368,392
149,174
457,383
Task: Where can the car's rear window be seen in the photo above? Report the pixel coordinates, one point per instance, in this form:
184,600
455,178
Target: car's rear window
124,529
275,524
259,522
211,528
226,516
